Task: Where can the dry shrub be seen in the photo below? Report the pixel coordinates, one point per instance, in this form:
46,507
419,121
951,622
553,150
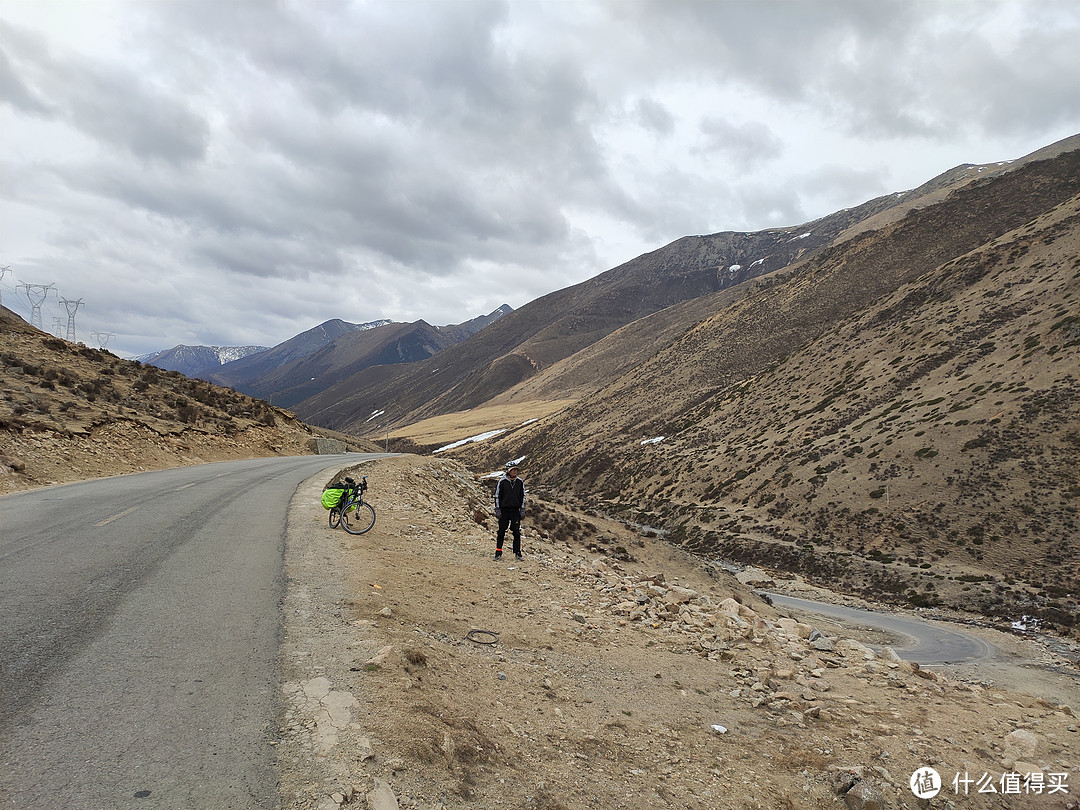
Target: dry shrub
809,759
545,801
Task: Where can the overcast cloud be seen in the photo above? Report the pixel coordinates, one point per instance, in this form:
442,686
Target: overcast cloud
231,173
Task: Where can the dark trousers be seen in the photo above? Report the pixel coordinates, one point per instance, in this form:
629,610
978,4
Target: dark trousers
509,519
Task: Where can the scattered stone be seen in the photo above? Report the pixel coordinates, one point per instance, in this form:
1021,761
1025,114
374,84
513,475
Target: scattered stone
751,575
926,674
842,781
789,626
850,648
12,464
382,797
381,656
889,654
364,751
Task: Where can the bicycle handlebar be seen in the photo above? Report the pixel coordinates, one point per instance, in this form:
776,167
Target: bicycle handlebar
353,485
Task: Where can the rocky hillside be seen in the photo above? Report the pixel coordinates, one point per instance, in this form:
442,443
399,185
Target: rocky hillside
898,416
69,412
610,670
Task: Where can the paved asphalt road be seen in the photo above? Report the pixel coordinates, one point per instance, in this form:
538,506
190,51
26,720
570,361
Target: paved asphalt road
924,643
139,633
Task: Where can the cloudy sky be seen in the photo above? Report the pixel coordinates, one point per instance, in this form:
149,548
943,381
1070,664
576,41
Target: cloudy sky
233,173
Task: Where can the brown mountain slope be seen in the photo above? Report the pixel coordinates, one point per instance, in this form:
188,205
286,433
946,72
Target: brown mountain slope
346,355
911,393
558,325
619,353
937,189
69,412
245,373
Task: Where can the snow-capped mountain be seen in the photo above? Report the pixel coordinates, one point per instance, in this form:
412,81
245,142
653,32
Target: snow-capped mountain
195,360
199,361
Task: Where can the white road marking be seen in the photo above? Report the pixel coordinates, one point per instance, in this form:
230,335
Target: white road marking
117,516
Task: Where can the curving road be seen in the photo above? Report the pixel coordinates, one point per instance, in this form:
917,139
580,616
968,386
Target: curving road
139,633
925,643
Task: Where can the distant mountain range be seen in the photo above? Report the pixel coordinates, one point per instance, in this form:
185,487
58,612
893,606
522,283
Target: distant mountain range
194,361
308,363
552,329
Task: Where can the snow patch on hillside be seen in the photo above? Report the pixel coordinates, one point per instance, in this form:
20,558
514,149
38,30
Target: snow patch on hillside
477,438
226,354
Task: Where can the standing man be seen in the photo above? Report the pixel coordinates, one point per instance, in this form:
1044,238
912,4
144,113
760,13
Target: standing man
509,508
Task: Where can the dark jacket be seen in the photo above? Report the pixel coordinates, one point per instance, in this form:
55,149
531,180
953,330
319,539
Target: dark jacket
510,494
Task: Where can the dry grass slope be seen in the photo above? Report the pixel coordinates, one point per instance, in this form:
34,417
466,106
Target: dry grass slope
70,412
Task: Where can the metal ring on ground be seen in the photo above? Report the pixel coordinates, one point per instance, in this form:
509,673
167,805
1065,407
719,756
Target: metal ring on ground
485,636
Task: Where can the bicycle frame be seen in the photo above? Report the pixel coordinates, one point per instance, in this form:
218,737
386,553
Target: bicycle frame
356,516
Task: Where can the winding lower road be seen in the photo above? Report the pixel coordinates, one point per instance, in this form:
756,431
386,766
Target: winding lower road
139,634
925,643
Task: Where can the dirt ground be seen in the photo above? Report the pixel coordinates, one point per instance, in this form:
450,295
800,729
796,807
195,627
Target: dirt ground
630,675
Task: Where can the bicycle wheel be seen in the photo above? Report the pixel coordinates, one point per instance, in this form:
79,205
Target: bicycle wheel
357,517
335,517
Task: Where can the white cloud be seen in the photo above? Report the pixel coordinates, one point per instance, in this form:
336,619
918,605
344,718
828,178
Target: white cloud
236,172
746,144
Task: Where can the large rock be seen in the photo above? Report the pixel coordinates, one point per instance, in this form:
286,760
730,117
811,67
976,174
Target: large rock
1020,745
382,797
676,595
850,648
864,796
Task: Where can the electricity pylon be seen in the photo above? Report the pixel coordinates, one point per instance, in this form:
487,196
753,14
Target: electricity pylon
36,295
58,326
3,272
72,307
102,338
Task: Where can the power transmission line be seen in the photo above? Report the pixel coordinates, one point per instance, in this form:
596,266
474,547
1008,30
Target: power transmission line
72,307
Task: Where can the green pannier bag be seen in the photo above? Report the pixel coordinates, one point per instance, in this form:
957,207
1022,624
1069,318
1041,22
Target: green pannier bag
332,497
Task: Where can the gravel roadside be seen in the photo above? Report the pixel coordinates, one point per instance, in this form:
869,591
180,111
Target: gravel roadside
624,674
